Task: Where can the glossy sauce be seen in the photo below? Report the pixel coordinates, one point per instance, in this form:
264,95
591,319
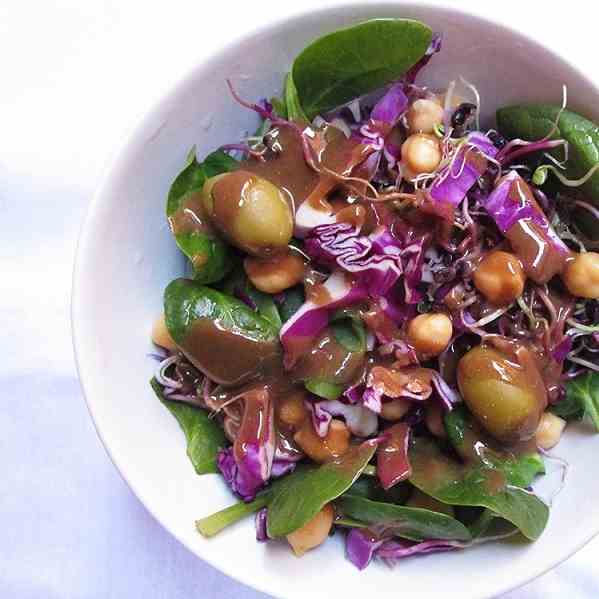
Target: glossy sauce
190,216
540,259
328,360
257,425
228,357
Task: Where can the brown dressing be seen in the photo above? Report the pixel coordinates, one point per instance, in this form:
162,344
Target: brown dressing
328,360
190,216
285,166
540,259
228,357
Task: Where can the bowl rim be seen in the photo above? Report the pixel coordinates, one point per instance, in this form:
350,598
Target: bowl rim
131,140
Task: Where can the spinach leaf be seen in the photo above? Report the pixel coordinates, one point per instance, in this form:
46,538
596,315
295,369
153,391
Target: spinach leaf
209,255
279,106
186,301
350,62
476,484
294,109
350,333
213,524
582,399
414,523
292,301
204,436
238,285
297,498
369,487
324,388
520,469
535,121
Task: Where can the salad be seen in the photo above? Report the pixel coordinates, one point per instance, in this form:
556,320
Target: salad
391,310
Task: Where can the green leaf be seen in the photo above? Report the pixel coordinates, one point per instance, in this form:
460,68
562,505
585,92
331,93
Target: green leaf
369,487
534,121
297,498
416,524
279,106
476,484
350,333
295,112
187,301
520,469
238,282
204,436
347,63
582,399
324,388
213,524
294,298
209,255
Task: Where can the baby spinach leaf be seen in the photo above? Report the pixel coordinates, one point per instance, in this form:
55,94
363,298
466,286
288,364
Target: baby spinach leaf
520,469
297,498
476,484
204,436
369,487
213,524
294,109
350,332
292,300
239,286
582,399
534,121
350,62
186,301
416,524
279,106
324,388
209,255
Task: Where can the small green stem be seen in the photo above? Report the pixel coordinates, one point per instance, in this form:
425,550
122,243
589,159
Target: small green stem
214,523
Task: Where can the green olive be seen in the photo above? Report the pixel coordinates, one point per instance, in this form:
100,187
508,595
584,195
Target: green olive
506,395
250,211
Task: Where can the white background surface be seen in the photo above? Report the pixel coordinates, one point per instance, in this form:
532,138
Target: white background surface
75,77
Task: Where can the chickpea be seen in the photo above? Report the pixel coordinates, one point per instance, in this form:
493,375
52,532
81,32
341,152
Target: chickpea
424,115
313,533
549,431
429,334
335,444
424,501
292,410
395,409
505,397
581,275
161,336
275,274
253,213
421,153
500,278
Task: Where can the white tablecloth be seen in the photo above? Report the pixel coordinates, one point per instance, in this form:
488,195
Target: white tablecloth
74,79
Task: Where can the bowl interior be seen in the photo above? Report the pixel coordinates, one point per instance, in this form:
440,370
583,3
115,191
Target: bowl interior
126,257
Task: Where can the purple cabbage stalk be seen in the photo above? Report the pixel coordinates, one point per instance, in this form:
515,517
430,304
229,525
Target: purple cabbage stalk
506,211
447,394
395,549
455,181
300,331
375,260
247,466
360,421
562,349
433,48
360,547
260,522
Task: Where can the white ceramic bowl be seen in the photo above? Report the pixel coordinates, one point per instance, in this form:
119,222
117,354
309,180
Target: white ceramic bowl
126,257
